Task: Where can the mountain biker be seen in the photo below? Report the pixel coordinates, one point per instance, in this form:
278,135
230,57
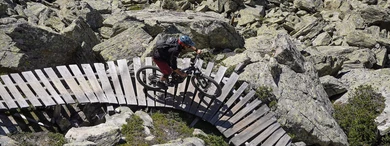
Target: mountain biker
166,53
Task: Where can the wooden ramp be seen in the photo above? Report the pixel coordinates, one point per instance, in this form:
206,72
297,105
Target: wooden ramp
236,113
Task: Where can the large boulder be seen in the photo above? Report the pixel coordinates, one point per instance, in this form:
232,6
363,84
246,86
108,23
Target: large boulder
303,107
71,10
208,30
126,45
27,47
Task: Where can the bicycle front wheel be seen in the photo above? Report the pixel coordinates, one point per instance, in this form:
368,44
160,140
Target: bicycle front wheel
148,76
206,85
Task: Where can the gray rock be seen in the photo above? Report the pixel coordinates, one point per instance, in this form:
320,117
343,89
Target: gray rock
286,53
27,47
191,141
84,143
332,86
322,39
102,134
71,10
126,45
6,141
147,120
309,5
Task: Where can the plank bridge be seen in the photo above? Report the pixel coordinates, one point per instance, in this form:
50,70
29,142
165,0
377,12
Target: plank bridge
237,113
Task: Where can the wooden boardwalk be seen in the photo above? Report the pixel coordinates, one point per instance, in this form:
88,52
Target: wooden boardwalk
236,113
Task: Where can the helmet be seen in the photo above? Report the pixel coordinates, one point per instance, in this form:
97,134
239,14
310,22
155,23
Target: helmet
186,40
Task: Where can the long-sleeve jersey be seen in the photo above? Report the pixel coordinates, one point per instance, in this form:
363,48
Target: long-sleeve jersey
168,52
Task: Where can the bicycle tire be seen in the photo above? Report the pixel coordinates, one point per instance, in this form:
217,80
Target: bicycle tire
218,89
142,80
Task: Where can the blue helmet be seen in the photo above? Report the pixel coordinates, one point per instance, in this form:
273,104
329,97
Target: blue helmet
186,40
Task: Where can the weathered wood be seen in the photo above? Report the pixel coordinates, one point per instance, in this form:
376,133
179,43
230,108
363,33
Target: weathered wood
216,104
11,104
2,105
284,141
239,115
247,121
181,89
37,87
149,94
115,80
253,129
77,91
51,89
26,90
127,82
190,97
14,91
229,104
235,108
106,84
265,134
140,93
58,85
94,83
205,104
83,83
160,94
272,139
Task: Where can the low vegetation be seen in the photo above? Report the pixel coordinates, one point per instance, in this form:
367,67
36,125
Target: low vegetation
39,139
167,126
357,117
265,94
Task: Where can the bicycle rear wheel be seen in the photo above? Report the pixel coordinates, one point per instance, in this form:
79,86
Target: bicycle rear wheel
148,76
206,85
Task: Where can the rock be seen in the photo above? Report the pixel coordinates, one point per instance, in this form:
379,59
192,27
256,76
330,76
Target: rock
28,47
360,39
6,141
119,119
191,141
102,134
381,56
287,54
148,121
126,45
322,39
84,143
249,15
309,5
332,86
198,132
71,10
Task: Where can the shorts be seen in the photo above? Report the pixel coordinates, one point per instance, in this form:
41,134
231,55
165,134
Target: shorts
164,67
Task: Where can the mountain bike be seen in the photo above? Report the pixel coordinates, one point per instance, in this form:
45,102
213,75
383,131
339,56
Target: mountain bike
149,77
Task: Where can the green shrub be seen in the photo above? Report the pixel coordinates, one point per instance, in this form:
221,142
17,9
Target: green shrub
357,116
265,94
134,132
213,140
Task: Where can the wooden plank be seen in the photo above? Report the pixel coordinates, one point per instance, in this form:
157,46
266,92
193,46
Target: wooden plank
239,115
181,89
105,82
253,129
235,108
190,97
150,95
247,121
274,137
127,82
115,80
229,103
37,87
160,94
26,90
205,104
216,104
77,91
59,86
140,93
94,83
14,91
2,105
284,141
84,84
49,87
266,134
11,104
198,105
